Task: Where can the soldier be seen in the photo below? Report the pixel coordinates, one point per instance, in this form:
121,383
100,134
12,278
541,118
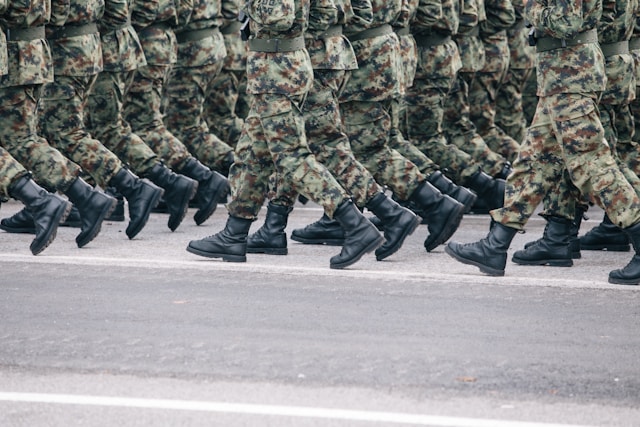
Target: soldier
226,105
154,22
331,56
631,153
121,54
566,133
279,75
201,54
20,92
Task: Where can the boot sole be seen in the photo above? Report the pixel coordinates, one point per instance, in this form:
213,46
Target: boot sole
268,251
17,230
624,282
544,262
327,242
174,222
450,227
61,215
143,221
611,248
407,232
483,268
97,226
370,248
225,257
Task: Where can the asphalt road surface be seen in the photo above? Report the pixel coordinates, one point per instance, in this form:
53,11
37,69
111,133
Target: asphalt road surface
142,333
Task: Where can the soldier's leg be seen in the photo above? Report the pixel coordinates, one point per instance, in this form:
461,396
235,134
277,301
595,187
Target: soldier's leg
509,109
220,107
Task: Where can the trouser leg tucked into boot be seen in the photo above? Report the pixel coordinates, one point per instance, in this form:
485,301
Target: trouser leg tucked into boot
178,191
490,191
630,274
212,187
230,244
488,254
325,231
441,212
446,186
47,210
142,196
360,236
271,238
605,237
93,207
552,249
397,222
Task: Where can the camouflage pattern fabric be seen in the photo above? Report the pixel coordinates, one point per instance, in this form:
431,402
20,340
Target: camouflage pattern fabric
273,139
631,152
566,131
10,171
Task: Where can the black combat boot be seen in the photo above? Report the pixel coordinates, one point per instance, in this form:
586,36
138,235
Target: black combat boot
446,186
47,210
574,241
230,244
93,207
178,191
488,254
490,191
118,213
325,231
270,238
630,274
441,212
360,236
397,222
142,196
19,222
212,187
554,248
605,237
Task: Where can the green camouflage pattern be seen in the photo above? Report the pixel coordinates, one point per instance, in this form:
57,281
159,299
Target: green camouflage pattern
10,171
121,49
469,44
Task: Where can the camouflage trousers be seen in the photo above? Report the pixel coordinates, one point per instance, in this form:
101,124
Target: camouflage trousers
566,136
143,111
328,141
368,126
105,122
273,142
19,136
460,131
629,150
530,97
183,106
425,115
226,105
509,108
62,123
10,171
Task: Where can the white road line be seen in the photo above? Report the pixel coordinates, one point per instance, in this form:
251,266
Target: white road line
273,410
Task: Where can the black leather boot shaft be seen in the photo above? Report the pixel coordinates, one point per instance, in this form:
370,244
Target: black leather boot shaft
178,191
488,254
47,210
630,274
93,207
325,231
142,196
446,186
118,213
605,236
230,244
441,212
360,236
271,238
552,249
397,222
212,187
490,191
20,222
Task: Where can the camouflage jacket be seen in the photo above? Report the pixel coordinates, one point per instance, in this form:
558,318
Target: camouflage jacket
121,49
78,55
469,43
288,73
384,12
617,20
154,20
28,61
201,50
573,69
331,52
236,48
522,56
500,16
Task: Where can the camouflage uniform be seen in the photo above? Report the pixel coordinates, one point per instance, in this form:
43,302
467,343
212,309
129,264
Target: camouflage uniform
30,66
273,138
227,105
122,54
566,131
509,109
484,87
201,52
